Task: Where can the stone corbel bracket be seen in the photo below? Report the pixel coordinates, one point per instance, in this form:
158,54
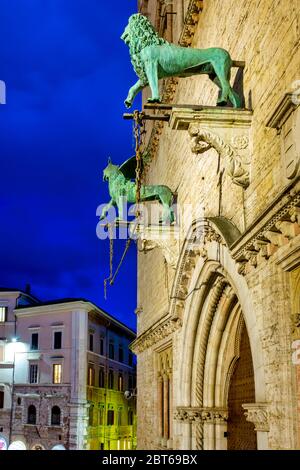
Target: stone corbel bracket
257,413
166,238
226,130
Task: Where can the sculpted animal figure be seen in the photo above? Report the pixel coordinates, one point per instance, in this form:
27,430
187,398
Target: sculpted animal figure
121,187
153,58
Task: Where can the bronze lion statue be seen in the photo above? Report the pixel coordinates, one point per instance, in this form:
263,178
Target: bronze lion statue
154,58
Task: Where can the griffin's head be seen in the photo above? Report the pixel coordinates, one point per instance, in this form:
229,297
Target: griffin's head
109,170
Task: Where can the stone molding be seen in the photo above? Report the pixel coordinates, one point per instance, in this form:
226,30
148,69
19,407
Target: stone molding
191,21
203,415
278,230
161,331
257,413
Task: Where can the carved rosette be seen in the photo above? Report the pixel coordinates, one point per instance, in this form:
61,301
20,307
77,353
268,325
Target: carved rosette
204,415
235,153
257,413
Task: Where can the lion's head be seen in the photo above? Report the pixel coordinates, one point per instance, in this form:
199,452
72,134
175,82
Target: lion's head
138,34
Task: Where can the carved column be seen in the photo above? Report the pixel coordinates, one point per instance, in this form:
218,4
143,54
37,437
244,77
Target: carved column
166,409
170,409
160,407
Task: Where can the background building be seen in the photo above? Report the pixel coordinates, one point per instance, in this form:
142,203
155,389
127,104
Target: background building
64,367
218,310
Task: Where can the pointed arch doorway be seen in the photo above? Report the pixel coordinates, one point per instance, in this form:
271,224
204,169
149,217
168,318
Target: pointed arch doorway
240,433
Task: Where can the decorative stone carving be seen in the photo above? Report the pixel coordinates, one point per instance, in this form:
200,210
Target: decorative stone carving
152,336
279,231
163,237
191,20
257,413
195,414
286,119
214,128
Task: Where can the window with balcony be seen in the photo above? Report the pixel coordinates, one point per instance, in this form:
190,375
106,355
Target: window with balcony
31,415
91,376
33,373
91,342
111,379
110,417
34,346
3,314
57,339
111,351
57,373
55,416
101,378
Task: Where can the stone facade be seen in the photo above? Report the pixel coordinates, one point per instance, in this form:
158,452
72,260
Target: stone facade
237,260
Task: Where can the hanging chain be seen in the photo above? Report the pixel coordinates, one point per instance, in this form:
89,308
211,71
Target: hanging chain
138,132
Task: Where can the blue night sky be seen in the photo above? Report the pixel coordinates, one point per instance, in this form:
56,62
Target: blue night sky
67,74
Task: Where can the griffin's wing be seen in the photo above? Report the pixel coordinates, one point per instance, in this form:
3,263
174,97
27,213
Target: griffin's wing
128,168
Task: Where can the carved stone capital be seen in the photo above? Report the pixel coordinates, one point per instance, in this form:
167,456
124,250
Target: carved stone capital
257,413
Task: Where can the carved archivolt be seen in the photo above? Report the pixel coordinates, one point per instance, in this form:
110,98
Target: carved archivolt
237,166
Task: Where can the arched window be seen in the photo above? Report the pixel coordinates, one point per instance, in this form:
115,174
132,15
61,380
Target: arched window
31,417
55,416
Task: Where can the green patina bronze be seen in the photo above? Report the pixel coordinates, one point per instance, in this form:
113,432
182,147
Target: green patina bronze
121,187
154,58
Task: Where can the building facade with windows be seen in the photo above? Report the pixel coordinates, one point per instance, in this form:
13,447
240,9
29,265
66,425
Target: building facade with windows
64,367
218,343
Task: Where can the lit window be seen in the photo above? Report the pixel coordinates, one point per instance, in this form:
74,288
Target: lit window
3,314
57,373
31,416
120,383
33,374
55,416
57,340
91,376
34,342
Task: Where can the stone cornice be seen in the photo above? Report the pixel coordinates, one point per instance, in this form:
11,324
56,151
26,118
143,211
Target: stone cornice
213,415
159,331
275,228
